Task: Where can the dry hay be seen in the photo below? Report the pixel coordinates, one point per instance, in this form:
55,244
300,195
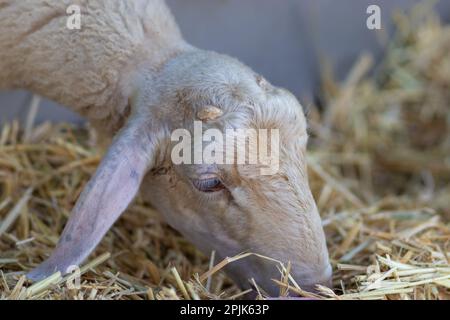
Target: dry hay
379,165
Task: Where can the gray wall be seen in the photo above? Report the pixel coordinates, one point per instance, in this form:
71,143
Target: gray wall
282,39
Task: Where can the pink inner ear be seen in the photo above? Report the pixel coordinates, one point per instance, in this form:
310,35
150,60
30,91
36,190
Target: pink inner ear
105,197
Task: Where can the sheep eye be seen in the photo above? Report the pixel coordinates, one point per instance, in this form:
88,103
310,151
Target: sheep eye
208,185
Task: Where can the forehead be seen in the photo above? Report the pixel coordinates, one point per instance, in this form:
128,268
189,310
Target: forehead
276,123
251,103
263,113
246,98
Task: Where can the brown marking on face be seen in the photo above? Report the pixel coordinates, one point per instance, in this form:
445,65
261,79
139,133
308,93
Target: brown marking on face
209,113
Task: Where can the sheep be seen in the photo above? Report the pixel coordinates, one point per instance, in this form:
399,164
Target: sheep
129,71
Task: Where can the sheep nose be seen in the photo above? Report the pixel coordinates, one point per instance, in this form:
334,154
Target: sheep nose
322,277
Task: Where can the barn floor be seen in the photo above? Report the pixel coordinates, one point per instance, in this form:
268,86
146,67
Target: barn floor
379,166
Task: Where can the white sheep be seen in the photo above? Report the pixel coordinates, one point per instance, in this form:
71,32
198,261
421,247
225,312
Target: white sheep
129,71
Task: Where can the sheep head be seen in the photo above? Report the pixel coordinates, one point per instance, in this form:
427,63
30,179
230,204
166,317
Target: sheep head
227,206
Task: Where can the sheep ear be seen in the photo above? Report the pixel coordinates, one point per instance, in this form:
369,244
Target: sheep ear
105,197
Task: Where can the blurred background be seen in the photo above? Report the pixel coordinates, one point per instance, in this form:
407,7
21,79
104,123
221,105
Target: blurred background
286,41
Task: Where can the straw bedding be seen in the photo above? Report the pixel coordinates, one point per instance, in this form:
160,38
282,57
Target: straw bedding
379,166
